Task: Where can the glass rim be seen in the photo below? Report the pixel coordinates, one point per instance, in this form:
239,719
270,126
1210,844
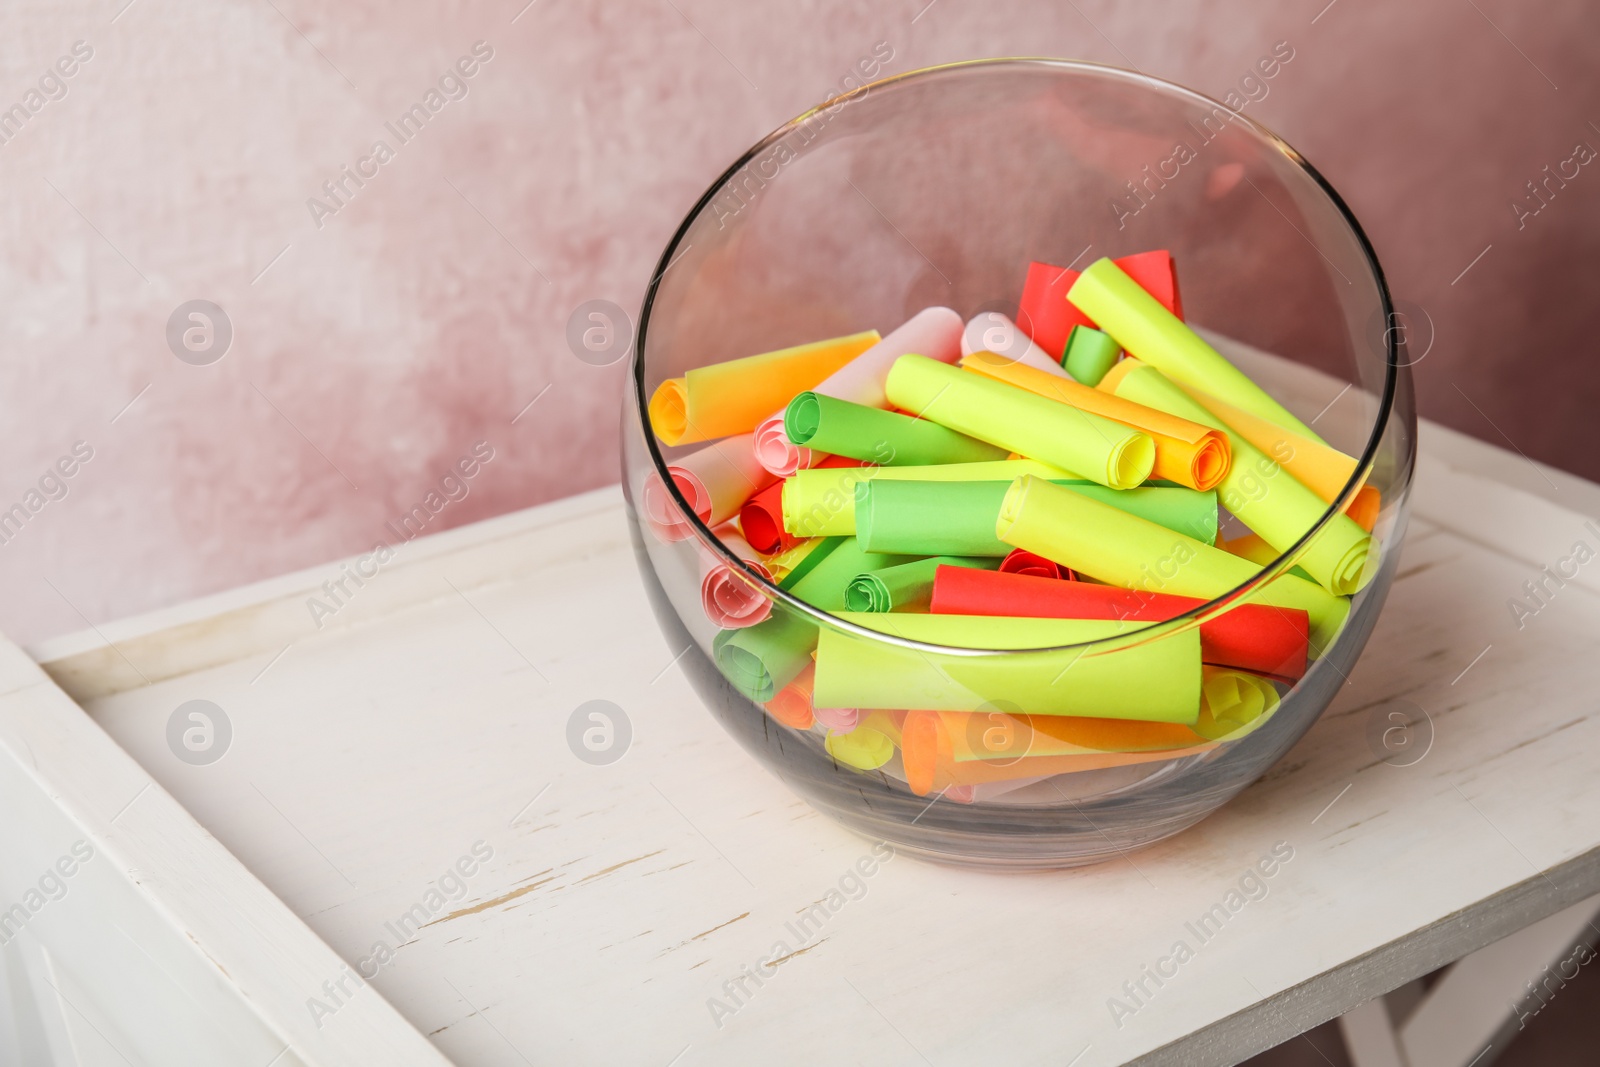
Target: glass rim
709,541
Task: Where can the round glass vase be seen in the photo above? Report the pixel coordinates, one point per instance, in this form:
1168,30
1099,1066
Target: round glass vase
938,187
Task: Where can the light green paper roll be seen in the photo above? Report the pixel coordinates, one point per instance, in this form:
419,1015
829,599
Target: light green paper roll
821,502
760,660
840,428
1141,325
907,586
1264,496
1049,431
1122,549
1157,681
1090,353
958,518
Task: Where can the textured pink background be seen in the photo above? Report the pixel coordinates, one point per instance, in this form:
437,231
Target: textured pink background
423,317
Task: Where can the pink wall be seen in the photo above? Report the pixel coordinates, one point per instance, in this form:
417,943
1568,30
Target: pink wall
424,314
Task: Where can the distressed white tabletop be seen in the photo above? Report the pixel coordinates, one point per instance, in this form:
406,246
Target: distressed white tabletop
426,727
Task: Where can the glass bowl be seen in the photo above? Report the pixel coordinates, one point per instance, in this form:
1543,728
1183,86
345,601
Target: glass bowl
937,188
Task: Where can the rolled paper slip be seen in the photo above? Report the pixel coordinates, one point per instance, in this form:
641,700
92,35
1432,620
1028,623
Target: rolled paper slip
1047,316
761,517
1101,450
760,660
1019,561
724,399
873,435
1090,353
870,743
731,599
1265,497
958,518
930,764
1251,637
792,704
716,481
1320,468
993,332
839,720
1234,704
998,735
934,332
1146,329
663,515
1114,547
1187,453
1153,680
822,502
863,748
905,587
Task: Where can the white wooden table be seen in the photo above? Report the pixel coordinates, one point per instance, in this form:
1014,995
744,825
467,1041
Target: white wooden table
618,903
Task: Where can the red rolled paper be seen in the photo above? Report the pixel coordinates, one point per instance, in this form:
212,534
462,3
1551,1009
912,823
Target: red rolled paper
1021,561
761,518
1251,637
1045,315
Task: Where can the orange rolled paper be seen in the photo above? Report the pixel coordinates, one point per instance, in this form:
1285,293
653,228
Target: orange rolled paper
998,735
724,399
1236,702
928,755
1186,452
1321,468
792,704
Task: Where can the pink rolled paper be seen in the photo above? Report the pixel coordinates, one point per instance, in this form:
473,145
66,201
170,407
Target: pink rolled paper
933,332
991,331
716,481
729,600
839,720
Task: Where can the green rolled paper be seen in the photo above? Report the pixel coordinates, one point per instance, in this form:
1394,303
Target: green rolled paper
821,502
958,518
1155,681
1037,427
1125,550
840,428
1090,353
1264,496
1122,308
907,586
760,660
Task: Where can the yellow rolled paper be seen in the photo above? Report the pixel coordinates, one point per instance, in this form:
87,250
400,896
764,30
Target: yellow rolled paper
1235,703
1260,491
1144,328
723,399
870,745
821,502
1101,450
1155,681
1121,549
1186,452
